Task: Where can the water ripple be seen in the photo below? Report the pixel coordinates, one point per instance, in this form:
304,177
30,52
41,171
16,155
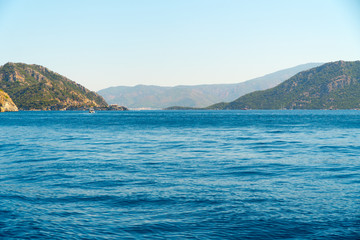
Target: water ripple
180,175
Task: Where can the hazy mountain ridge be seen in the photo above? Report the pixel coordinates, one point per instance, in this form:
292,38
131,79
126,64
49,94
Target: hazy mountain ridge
36,87
334,85
194,96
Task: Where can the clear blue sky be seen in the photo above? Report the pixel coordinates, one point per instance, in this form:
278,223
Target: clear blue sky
173,42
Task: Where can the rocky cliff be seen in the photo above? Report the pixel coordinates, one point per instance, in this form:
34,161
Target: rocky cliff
6,103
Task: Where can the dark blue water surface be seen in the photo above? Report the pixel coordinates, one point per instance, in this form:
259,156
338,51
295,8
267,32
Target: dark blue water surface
180,175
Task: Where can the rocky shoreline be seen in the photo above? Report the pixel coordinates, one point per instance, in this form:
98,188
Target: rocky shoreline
6,103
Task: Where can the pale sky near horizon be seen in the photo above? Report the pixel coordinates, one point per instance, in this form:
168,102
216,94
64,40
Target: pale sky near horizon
106,43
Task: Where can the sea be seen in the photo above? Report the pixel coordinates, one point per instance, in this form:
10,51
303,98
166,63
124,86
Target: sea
180,174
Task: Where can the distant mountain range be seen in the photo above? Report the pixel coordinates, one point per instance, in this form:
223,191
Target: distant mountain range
334,85
36,87
143,96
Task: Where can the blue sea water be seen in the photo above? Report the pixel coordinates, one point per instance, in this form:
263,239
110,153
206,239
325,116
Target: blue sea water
180,175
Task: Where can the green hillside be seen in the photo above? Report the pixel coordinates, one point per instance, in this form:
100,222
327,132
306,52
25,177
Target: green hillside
334,85
36,87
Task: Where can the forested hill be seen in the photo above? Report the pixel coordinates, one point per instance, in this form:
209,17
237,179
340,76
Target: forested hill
36,87
334,85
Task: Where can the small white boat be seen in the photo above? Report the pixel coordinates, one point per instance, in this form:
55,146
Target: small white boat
91,110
